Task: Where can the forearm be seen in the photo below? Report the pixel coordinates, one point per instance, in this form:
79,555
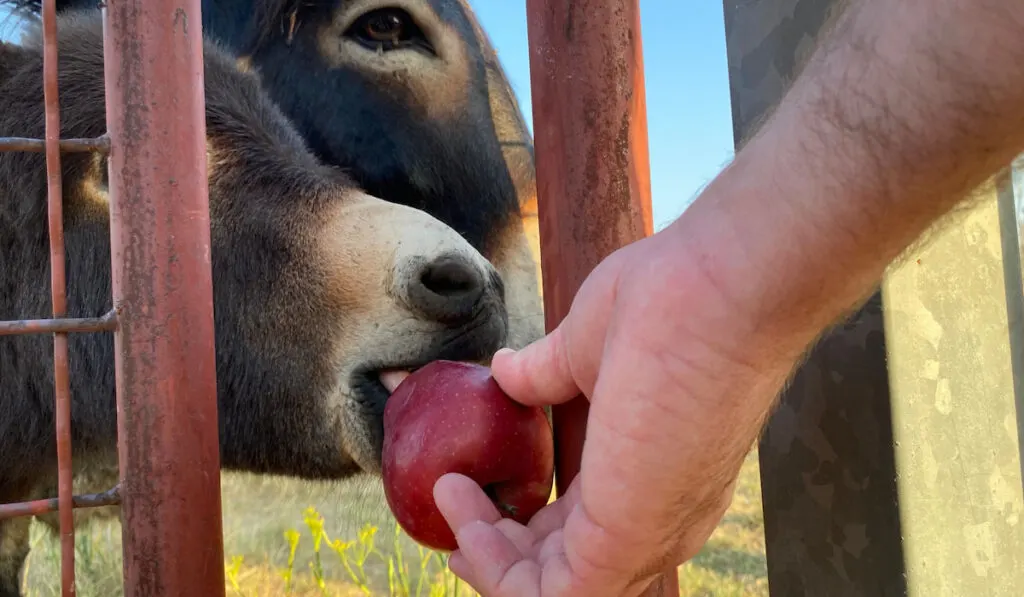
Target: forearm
907,106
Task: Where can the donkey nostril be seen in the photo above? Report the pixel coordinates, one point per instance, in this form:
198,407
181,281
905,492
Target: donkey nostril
449,277
447,289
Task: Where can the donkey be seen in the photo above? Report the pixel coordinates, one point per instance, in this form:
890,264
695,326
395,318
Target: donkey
409,97
318,289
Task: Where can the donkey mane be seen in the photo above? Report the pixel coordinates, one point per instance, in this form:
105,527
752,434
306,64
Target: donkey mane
267,17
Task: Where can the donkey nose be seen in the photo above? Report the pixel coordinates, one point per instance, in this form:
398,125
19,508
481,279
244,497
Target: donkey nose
446,289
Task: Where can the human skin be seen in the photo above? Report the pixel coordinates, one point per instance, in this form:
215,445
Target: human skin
682,341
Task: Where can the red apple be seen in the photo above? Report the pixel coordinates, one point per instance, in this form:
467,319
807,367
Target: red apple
452,417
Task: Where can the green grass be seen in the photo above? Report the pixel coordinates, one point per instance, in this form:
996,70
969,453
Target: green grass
287,537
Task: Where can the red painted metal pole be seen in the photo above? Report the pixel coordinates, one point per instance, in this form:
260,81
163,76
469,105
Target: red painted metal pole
99,144
593,172
110,497
58,293
160,240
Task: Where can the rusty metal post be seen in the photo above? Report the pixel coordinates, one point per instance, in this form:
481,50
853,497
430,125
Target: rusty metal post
593,172
58,293
160,240
59,325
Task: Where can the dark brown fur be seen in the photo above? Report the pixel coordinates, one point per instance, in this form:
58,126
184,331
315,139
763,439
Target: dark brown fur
312,291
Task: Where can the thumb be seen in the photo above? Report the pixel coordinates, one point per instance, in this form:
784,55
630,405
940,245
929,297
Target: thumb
538,374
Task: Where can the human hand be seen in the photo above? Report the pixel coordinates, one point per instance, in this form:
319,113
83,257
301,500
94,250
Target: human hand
679,390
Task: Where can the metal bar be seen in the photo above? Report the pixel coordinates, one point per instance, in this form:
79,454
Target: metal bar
110,497
593,182
1015,307
98,144
832,434
162,282
878,464
62,386
107,323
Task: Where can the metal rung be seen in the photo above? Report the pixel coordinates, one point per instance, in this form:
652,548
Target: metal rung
110,497
99,144
107,323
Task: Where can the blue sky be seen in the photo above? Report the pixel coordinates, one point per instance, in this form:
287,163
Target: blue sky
688,107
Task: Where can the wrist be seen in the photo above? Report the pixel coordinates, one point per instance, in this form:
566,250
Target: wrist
745,240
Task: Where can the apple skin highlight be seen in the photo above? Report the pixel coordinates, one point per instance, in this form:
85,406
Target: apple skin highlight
452,417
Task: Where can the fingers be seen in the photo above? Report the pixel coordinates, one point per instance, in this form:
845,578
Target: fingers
492,550
461,567
497,566
538,374
515,533
461,501
490,562
552,517
498,556
552,547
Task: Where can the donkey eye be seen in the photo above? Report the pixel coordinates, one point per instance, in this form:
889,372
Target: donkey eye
387,29
386,25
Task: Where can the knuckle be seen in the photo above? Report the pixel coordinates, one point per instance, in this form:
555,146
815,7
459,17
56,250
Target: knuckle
521,579
519,535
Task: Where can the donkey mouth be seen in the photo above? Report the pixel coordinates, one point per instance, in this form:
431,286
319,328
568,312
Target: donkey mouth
392,378
377,381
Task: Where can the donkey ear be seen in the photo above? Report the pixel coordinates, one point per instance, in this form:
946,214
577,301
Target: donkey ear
263,19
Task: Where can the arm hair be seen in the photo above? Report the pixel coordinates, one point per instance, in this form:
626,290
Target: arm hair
904,108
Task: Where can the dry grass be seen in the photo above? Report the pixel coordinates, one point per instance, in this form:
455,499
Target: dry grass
284,537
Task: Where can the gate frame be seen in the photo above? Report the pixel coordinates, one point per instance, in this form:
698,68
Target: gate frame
160,242
163,292
162,319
